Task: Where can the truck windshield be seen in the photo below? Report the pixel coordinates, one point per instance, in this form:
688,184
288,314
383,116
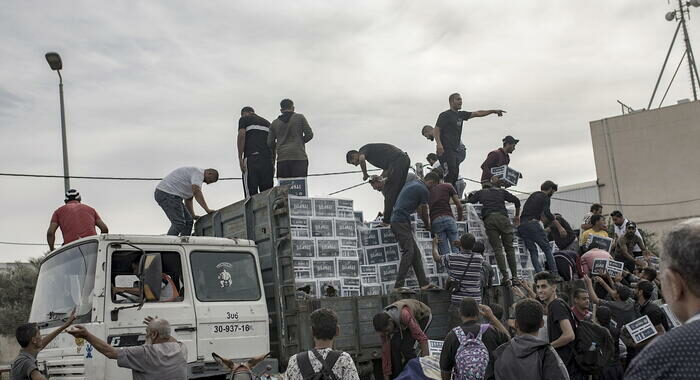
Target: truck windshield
65,282
225,276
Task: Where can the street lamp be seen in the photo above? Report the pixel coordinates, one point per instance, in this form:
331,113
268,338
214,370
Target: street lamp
56,64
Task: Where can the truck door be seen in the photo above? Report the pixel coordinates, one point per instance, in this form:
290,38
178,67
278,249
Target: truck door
230,306
125,327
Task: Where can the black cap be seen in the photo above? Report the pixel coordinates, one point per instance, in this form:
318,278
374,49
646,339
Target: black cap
632,225
510,140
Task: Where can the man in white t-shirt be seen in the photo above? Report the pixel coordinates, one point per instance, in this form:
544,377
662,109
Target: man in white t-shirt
620,228
175,192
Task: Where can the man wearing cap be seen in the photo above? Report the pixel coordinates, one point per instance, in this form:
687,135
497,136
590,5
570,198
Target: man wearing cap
75,219
498,157
448,134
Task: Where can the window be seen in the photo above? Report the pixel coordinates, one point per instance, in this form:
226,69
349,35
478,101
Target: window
65,281
125,282
225,276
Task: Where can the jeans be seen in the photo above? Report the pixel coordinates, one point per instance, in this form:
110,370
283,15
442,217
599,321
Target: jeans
410,254
500,234
450,161
534,236
174,208
445,227
396,179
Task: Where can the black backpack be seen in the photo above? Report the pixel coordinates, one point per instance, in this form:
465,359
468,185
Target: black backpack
326,373
593,346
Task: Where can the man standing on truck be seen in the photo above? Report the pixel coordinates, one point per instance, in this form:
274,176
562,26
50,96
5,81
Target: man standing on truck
254,156
175,192
448,134
76,220
496,158
28,336
304,365
288,136
395,163
162,357
400,325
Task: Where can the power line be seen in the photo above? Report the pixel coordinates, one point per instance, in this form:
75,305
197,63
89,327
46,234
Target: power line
28,175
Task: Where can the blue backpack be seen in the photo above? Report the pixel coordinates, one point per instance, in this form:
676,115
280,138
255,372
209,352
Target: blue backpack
472,355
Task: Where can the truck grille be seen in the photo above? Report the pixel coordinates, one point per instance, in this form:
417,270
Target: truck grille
71,368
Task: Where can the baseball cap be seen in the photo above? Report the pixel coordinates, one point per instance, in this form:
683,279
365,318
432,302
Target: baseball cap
631,225
510,140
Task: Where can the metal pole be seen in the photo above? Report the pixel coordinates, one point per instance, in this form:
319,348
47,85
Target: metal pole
66,176
663,67
689,50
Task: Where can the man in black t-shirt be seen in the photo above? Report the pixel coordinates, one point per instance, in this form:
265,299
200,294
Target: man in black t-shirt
254,155
560,323
448,134
395,163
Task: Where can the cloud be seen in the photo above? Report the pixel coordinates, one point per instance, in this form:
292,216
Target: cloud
151,86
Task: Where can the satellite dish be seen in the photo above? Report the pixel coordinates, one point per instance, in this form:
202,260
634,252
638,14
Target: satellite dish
670,16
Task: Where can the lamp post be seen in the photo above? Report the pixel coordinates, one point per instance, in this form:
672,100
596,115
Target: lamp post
56,64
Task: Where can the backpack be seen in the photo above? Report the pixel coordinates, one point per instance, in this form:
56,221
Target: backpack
472,356
593,347
326,373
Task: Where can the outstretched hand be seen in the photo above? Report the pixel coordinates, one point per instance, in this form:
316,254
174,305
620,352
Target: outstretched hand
78,331
147,321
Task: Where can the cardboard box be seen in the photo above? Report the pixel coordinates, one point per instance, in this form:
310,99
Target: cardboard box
507,174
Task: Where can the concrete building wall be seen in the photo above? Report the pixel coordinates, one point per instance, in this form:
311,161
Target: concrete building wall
650,157
9,348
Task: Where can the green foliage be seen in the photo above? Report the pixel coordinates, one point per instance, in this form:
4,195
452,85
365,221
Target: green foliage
16,296
651,241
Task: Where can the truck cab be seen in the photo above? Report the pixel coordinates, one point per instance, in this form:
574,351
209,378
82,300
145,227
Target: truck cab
209,289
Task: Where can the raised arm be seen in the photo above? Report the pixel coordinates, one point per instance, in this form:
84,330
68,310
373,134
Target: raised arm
486,113
50,337
100,345
591,291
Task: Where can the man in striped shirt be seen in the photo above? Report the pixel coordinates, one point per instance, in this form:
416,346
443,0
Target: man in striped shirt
465,269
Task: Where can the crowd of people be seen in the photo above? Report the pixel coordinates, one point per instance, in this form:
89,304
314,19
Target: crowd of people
549,334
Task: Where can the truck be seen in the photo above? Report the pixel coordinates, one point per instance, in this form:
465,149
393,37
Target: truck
229,289
264,220
214,302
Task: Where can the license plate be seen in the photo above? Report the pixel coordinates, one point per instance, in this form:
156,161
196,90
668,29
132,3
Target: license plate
232,329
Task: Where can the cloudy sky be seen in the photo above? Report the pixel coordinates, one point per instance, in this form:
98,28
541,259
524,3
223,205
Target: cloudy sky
151,86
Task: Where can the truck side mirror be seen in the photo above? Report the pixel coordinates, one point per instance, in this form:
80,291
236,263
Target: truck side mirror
151,275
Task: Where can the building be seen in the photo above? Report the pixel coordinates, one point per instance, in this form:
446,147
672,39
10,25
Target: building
645,166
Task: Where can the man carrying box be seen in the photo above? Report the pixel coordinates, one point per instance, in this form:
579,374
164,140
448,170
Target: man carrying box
496,158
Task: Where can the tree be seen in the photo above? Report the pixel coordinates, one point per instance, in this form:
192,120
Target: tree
17,293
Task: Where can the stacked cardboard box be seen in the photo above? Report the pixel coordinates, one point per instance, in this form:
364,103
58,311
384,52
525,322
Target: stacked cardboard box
335,254
325,246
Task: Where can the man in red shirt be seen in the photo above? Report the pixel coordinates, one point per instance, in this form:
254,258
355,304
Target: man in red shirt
498,157
75,219
400,325
442,221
